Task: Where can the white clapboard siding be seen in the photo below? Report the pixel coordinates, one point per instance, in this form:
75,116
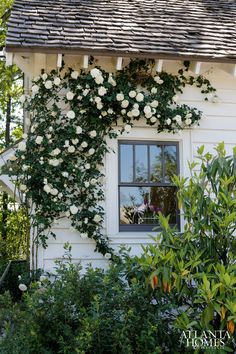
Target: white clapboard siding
218,124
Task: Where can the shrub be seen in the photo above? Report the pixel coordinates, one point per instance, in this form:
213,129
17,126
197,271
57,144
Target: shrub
99,312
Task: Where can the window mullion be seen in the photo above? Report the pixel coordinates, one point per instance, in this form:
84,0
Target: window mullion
162,163
134,164
148,157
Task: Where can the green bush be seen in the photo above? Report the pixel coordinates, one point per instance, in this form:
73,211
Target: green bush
16,271
99,312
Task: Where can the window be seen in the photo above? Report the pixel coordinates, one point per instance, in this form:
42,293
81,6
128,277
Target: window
145,187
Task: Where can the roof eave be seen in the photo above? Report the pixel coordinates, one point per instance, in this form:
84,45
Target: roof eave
113,53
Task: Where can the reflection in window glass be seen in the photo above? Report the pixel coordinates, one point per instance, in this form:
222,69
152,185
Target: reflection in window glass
170,162
155,163
140,205
126,163
141,163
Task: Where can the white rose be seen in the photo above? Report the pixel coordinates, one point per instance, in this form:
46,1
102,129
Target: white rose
75,141
147,109
35,89
102,91
178,119
87,166
99,106
95,72
110,111
48,84
97,218
123,111
107,256
124,104
70,95
73,209
154,90
168,121
175,98
54,162
148,115
65,174
12,158
36,78
153,119
158,80
188,121
127,128
57,81
135,112
120,97
47,188
84,235
22,146
25,167
154,104
79,130
104,113
23,287
79,98
42,278
74,75
85,92
55,152
84,144
71,149
23,187
86,184
71,115
132,94
130,114
93,133
139,97
188,115
54,191
44,76
93,181
99,80
39,140
91,151
97,99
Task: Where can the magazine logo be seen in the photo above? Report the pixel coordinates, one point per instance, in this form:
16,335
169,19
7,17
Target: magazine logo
205,339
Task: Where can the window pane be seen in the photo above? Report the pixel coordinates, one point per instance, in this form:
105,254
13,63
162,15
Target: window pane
155,163
140,205
126,163
170,162
141,163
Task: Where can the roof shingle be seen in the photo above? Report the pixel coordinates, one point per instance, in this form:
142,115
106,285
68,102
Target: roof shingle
192,28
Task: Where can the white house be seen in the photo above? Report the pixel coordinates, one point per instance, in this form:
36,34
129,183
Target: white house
43,33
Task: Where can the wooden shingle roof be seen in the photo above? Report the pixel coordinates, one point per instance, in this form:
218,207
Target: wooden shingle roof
201,29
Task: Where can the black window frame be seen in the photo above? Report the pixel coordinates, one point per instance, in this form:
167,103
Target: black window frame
146,227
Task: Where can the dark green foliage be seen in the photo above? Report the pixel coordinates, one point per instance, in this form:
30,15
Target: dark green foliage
10,282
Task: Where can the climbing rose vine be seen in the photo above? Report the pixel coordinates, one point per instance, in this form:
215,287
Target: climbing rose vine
60,163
